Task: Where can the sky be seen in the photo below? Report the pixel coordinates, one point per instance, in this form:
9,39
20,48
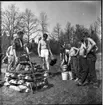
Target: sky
75,12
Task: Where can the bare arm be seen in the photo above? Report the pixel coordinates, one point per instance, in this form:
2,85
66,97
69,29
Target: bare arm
7,52
92,45
77,50
27,50
14,52
39,46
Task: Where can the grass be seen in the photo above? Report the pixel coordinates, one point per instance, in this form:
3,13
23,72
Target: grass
59,92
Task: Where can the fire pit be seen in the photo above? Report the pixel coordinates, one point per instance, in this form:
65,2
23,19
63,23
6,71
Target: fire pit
28,77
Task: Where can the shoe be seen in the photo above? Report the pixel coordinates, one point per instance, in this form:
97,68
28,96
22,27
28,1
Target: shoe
45,86
85,83
76,79
79,83
71,79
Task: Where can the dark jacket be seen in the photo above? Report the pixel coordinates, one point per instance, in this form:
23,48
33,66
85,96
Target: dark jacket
18,44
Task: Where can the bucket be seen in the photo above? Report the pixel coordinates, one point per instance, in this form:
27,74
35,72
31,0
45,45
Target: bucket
65,75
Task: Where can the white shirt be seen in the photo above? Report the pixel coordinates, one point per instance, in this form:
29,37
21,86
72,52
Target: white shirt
10,51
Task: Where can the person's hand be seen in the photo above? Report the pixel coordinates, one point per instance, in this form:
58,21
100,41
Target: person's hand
39,55
52,57
96,48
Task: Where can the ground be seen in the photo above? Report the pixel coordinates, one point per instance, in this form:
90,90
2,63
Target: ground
58,92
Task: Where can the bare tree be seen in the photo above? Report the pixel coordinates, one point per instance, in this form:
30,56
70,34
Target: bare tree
68,32
72,35
56,31
11,19
30,23
98,25
43,22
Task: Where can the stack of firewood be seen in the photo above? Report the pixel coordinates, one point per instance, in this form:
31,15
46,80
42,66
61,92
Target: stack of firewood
26,78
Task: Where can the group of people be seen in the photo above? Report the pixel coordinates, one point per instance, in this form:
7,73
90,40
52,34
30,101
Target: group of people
18,48
15,50
81,60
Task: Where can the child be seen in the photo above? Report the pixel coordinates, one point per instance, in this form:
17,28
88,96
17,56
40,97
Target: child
11,58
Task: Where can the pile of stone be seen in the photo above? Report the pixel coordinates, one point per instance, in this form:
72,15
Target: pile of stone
26,78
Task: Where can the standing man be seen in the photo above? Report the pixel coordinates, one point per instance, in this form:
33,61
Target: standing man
74,62
91,59
44,51
18,47
83,67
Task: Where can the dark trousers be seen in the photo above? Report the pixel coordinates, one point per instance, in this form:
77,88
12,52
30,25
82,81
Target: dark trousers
0,62
91,60
83,69
74,66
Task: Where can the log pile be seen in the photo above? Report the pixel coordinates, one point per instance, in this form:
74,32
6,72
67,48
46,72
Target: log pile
27,77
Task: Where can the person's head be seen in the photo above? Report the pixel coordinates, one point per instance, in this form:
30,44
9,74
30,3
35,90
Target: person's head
82,40
85,35
68,46
45,36
20,34
79,44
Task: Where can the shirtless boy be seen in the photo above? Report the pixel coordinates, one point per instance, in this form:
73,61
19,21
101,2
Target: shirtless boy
44,51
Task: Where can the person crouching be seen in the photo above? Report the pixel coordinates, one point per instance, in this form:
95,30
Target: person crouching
65,63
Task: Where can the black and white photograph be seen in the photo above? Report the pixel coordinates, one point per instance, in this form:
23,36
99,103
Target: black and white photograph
51,52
